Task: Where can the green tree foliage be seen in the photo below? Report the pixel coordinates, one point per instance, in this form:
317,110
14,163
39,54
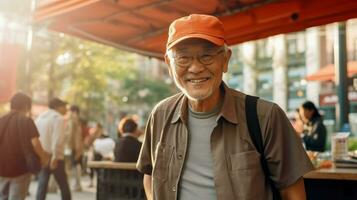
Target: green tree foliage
144,90
94,76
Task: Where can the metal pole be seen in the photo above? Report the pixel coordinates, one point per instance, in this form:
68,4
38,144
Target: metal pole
342,106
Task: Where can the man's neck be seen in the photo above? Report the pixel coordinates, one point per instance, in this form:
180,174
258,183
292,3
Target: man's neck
57,111
22,112
206,105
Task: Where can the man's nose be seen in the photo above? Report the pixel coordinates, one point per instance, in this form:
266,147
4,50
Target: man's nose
196,66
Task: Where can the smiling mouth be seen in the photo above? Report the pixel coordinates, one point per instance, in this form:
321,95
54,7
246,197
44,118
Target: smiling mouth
198,80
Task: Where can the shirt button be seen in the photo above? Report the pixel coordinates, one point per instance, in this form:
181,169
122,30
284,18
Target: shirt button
174,188
179,156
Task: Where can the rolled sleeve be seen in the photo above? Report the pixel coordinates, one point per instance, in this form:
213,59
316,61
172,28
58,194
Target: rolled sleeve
286,157
32,130
144,163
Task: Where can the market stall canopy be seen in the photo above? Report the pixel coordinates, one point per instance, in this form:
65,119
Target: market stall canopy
327,73
141,25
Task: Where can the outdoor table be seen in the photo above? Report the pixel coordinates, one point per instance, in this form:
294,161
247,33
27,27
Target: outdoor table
122,181
118,180
332,183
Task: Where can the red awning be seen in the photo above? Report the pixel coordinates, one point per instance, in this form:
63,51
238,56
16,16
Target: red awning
141,25
327,73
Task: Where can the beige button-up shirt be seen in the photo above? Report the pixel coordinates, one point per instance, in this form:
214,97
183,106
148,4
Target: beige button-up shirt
51,126
238,174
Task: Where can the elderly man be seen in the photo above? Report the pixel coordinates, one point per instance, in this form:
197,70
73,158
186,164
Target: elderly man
197,144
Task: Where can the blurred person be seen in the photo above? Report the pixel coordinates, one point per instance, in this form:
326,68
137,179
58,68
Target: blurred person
15,177
94,133
84,127
198,143
314,131
85,135
104,147
127,149
76,144
297,122
51,126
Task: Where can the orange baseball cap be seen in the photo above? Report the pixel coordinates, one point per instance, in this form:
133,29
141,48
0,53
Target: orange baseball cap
206,27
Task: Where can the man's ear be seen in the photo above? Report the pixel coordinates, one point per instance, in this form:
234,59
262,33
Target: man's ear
168,63
227,56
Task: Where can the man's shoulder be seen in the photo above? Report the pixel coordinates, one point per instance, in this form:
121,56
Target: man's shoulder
264,106
15,116
45,114
129,140
269,111
3,116
55,115
168,104
49,116
24,119
239,96
234,92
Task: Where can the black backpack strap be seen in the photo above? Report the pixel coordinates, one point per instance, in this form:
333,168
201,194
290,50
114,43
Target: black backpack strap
255,134
253,123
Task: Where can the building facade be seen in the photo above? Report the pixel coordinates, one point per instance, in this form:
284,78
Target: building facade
276,68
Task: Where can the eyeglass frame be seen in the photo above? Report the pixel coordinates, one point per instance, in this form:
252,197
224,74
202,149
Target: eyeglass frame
198,57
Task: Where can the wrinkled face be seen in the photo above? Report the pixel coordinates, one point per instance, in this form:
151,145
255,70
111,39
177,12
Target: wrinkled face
197,66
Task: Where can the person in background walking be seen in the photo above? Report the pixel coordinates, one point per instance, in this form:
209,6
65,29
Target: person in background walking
51,126
14,175
127,149
76,144
85,135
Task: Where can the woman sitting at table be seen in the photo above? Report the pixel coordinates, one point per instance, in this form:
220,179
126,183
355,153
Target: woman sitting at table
314,132
128,147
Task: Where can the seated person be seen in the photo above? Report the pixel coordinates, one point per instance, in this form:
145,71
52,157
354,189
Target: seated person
314,133
128,147
297,122
103,145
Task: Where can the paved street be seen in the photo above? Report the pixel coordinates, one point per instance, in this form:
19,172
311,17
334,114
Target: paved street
86,194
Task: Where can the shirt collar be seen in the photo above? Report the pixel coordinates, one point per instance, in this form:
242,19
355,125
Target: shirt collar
228,110
181,110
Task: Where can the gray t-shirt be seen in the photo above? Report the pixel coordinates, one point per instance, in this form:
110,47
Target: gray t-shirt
197,177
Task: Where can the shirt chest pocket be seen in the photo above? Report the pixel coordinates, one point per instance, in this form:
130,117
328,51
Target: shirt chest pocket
163,156
245,160
247,175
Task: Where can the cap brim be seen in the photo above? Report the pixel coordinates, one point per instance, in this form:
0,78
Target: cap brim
215,40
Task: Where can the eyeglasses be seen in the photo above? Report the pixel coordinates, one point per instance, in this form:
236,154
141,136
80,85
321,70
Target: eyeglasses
185,60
